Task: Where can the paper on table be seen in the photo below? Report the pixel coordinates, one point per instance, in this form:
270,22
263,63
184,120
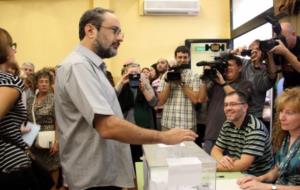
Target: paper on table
31,135
184,171
227,184
165,145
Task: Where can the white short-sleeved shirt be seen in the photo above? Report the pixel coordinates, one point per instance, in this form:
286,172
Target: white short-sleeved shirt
81,91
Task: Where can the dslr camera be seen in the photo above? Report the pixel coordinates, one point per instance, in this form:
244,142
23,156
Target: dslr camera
266,45
219,64
174,73
246,52
134,80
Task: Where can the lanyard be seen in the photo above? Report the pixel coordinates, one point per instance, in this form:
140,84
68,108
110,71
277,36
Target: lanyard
290,154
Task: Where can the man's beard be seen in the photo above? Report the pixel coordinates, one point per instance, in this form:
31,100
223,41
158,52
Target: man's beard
104,52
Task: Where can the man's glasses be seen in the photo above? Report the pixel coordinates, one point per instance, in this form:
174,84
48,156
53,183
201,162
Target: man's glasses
232,104
14,46
116,30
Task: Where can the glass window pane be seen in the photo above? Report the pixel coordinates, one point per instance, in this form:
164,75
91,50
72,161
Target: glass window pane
262,32
244,10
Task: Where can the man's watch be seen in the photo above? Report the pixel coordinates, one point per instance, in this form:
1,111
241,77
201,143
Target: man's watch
274,187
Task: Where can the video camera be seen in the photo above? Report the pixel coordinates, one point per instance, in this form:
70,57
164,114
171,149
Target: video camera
174,73
219,64
134,80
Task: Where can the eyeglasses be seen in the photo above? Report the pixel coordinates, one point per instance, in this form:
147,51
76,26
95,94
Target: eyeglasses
232,104
14,45
116,30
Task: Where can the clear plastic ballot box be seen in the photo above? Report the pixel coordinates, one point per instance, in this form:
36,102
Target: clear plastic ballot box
178,167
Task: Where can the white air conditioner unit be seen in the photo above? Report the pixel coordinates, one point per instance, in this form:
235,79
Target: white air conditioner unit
171,7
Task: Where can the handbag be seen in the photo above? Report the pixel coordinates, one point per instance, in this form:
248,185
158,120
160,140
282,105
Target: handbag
41,173
44,139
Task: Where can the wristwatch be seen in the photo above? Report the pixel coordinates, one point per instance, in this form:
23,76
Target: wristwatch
274,187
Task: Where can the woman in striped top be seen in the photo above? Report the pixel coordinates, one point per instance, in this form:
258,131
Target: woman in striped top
286,143
15,165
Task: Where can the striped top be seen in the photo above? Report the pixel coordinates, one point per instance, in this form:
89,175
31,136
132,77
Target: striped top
252,138
12,157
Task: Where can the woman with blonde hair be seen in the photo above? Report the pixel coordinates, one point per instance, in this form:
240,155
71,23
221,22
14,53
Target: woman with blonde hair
286,142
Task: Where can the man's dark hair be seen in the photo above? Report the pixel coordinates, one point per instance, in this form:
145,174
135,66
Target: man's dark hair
94,17
242,96
182,49
237,60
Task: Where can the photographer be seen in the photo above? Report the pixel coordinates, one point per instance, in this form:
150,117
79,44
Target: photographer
261,72
179,94
214,91
136,98
291,53
134,91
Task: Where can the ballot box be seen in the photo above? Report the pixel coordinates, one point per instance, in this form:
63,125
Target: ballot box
178,167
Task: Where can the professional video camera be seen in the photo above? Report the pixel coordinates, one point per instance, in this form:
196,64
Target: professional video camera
174,73
134,80
219,64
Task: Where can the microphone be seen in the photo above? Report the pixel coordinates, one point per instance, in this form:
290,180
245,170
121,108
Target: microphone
206,63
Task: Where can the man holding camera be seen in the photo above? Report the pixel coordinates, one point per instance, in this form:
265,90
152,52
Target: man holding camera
260,70
214,90
291,53
136,98
178,91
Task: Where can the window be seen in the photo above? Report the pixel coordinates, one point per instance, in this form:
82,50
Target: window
262,32
244,10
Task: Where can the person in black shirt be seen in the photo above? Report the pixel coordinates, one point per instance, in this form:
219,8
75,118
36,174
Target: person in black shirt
291,53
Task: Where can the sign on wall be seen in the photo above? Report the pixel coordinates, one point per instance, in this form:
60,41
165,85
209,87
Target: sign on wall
205,50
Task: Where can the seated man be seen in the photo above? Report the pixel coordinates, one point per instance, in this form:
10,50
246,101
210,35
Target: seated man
244,142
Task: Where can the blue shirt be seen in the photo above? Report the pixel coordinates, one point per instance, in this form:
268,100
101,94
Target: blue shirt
290,173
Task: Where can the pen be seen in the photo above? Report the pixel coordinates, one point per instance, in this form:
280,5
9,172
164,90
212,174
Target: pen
220,176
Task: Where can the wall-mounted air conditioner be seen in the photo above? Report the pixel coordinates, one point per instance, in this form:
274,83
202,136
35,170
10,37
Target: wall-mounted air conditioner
171,7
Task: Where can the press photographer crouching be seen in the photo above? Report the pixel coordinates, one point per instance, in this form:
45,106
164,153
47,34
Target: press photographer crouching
136,97
178,91
221,77
290,65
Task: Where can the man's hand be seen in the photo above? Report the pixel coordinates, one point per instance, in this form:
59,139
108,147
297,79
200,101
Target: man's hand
219,79
54,148
177,135
125,79
226,162
279,49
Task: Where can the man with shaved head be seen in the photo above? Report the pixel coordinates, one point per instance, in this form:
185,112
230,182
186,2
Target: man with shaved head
291,53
